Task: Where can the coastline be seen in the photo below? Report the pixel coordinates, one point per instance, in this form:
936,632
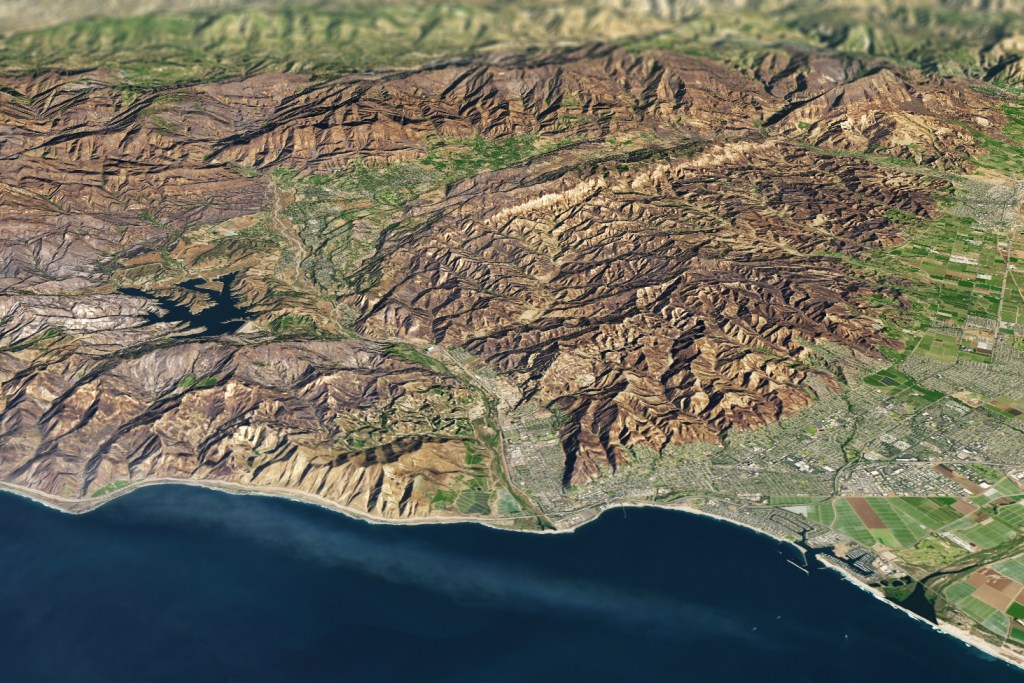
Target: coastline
78,506
965,637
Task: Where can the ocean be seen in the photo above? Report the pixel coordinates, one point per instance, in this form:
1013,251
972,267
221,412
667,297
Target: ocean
179,583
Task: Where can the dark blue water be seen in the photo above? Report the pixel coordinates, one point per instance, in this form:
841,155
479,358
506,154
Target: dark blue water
223,315
183,584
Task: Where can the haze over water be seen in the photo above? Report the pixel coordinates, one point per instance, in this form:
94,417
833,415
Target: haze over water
177,583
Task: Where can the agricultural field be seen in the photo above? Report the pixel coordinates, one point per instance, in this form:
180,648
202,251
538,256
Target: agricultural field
903,386
961,268
999,487
985,535
1012,515
963,596
794,500
993,596
903,523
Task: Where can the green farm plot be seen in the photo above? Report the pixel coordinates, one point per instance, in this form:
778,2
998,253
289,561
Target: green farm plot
976,609
1001,488
1011,514
940,347
933,513
956,269
1013,299
443,498
997,622
959,525
907,520
474,502
983,499
1013,568
794,500
1007,487
958,591
1016,610
986,615
849,523
904,530
917,524
825,513
988,534
887,538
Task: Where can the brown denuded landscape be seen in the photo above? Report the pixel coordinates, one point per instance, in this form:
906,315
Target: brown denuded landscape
666,242
520,263
653,267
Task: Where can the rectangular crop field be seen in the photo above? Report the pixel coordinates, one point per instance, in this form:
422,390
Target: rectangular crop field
1012,514
1013,568
933,513
989,534
906,530
847,522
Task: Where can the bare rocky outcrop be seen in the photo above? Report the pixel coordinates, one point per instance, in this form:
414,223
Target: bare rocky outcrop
272,415
656,266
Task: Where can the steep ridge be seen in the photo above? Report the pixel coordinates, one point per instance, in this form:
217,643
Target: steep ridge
657,305
647,244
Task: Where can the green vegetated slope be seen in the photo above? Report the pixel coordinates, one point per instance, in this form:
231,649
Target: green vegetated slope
168,49
327,38
340,216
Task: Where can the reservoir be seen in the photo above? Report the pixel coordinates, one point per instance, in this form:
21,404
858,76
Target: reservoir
178,583
222,315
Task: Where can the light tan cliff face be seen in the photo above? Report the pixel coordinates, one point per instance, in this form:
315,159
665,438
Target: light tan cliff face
655,270
272,415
